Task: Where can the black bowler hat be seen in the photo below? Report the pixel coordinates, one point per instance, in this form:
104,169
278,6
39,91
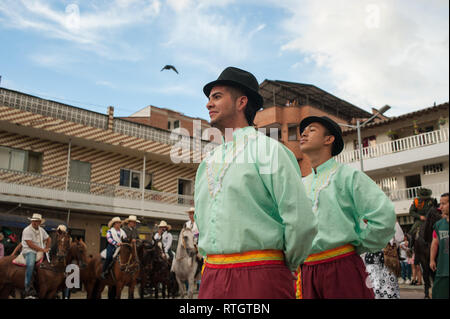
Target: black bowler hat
332,126
238,78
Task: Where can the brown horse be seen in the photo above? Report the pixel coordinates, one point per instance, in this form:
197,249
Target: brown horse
160,270
78,256
50,276
124,272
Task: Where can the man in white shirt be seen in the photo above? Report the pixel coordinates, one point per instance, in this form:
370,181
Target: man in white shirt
192,225
34,239
166,238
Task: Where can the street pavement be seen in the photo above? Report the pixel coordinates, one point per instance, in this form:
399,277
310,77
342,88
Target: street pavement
406,292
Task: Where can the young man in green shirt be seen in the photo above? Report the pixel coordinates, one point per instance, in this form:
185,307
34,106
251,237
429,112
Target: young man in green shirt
254,219
439,247
342,198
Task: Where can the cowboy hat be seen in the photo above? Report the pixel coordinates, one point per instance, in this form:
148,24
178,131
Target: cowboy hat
131,218
37,217
62,228
113,221
332,126
164,224
238,78
191,210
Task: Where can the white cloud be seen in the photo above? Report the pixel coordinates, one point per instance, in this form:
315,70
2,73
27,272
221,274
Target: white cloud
376,52
207,31
92,28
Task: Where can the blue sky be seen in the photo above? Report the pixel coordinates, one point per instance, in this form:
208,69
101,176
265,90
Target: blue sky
96,53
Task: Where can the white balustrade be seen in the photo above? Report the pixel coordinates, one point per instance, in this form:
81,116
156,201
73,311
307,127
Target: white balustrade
400,145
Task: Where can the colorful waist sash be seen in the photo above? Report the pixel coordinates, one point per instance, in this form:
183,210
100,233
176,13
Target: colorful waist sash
246,259
322,257
330,255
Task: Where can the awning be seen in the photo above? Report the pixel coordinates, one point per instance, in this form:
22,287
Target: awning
19,221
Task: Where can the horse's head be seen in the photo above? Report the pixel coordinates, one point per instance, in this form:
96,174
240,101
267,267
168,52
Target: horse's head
78,252
187,241
62,245
127,251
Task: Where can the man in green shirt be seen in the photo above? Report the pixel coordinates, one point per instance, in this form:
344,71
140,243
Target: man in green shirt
354,216
440,244
254,219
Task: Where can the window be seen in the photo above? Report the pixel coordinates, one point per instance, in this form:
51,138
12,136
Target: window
20,160
185,188
131,178
387,184
433,169
370,141
292,132
173,124
79,176
278,134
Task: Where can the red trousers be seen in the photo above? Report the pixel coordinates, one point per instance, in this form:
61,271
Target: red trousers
343,278
251,282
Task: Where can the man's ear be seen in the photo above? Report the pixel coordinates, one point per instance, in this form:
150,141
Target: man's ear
329,140
242,102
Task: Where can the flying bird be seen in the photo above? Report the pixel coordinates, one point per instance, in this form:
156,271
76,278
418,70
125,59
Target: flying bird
169,67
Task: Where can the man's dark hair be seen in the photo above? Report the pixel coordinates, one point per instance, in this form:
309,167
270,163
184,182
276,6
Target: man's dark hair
445,195
250,109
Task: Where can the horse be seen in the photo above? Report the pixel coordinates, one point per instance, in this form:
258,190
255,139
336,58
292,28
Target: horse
185,262
50,275
160,269
78,256
421,246
124,272
144,252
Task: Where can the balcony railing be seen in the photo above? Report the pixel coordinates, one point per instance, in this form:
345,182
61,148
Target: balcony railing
65,112
400,145
111,191
411,193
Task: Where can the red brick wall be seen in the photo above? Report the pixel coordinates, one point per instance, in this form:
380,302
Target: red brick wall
292,115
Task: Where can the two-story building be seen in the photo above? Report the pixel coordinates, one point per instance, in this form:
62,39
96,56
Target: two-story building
81,168
399,153
404,153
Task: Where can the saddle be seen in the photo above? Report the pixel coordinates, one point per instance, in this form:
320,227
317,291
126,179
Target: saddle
20,260
103,253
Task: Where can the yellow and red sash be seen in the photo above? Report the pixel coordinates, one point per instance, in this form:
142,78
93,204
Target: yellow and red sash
322,257
246,259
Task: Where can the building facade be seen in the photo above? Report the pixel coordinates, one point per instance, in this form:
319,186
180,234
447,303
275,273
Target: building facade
286,104
82,168
168,120
404,153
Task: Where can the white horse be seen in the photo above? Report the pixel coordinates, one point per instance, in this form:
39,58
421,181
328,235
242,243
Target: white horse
185,264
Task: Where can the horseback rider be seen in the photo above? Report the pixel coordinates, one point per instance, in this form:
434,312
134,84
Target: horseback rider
114,236
34,239
130,227
192,225
165,236
419,209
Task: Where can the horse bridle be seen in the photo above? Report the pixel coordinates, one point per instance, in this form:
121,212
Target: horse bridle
129,267
53,267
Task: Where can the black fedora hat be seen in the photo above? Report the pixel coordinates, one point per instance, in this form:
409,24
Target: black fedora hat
332,126
238,78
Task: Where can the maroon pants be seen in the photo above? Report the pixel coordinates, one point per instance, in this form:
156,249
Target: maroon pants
343,278
252,282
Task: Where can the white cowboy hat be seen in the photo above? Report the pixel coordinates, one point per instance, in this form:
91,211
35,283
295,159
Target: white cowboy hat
131,218
113,221
191,210
164,224
37,217
62,228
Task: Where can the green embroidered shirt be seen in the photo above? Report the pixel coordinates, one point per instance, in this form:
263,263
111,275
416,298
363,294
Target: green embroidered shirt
249,196
342,197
